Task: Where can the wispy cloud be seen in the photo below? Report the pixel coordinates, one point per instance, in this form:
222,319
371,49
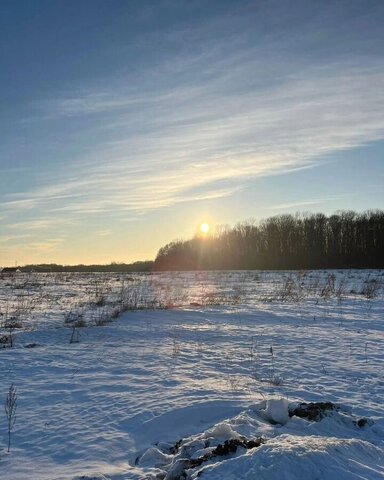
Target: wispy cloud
4,239
47,245
308,203
104,233
190,143
40,224
226,114
21,249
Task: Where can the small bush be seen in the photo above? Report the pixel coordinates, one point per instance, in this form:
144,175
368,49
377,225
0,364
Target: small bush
276,381
10,407
80,323
72,317
13,323
100,301
371,288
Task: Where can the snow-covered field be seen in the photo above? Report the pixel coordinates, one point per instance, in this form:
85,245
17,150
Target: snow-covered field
196,374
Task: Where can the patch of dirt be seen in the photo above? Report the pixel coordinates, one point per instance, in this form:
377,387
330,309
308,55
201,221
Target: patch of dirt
175,448
229,446
313,412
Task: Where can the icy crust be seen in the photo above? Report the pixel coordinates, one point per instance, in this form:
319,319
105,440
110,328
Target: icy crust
268,441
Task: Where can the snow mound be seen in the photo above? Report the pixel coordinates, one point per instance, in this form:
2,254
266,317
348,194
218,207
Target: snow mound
277,410
289,457
91,477
267,441
221,431
154,456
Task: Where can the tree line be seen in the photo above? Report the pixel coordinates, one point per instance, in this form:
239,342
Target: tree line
345,239
139,266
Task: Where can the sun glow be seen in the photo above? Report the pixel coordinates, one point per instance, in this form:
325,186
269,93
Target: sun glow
204,228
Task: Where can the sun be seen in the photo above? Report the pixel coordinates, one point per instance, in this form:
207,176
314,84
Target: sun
204,228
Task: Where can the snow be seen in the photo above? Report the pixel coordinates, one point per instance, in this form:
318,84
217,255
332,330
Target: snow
276,410
289,458
229,360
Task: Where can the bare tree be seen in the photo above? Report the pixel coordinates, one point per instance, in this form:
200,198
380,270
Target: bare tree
302,241
10,411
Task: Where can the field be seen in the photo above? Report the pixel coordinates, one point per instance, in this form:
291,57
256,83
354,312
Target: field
195,374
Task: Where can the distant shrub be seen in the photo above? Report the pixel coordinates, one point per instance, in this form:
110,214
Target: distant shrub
371,288
100,301
115,312
10,408
12,323
73,317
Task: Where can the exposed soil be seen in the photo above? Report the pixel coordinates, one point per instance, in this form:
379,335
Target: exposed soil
313,412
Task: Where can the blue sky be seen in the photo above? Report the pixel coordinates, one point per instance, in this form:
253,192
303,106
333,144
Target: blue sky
124,124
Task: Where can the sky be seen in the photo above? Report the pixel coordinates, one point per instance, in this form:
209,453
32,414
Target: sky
124,124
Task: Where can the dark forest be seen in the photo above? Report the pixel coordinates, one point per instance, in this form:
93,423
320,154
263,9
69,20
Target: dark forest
303,241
